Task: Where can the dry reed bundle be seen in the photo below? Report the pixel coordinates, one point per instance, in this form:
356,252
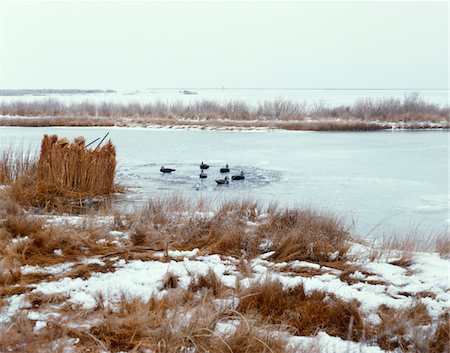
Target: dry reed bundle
71,170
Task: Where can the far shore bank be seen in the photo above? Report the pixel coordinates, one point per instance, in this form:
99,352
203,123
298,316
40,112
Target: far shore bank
306,124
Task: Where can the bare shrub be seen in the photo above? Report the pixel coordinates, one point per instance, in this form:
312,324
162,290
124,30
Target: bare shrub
411,107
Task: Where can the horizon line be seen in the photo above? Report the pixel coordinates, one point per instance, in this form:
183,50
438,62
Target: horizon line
224,88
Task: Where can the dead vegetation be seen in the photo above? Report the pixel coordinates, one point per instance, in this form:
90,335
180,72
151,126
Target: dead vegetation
411,106
188,317
306,313
179,322
65,177
411,111
241,228
408,330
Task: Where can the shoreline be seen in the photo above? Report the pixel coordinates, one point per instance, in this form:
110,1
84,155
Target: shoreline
260,125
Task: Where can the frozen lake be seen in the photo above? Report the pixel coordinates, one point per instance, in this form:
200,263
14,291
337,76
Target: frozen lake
250,96
388,182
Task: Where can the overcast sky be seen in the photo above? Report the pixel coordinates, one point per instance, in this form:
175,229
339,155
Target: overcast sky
248,44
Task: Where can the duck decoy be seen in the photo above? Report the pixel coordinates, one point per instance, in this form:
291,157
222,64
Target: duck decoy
166,170
238,177
225,170
225,181
203,175
204,166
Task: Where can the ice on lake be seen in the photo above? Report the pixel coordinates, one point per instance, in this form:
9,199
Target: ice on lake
386,182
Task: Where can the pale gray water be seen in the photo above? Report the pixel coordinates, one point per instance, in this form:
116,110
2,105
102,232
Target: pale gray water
393,181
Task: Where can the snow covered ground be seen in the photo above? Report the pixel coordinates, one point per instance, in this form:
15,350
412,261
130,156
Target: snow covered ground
374,285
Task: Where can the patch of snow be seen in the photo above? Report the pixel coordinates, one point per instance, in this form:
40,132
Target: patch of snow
137,278
39,325
116,233
13,305
325,343
92,260
357,275
57,269
178,253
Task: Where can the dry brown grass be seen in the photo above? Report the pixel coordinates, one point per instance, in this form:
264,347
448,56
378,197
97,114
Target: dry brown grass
440,341
21,225
235,229
38,299
210,282
443,245
178,322
54,121
404,329
256,122
399,250
64,176
15,163
19,337
28,242
305,235
170,281
72,170
306,313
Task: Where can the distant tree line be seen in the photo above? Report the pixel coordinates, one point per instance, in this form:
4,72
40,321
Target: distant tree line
410,107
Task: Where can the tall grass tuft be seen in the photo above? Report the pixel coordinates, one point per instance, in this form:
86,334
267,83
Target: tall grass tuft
14,163
73,170
65,174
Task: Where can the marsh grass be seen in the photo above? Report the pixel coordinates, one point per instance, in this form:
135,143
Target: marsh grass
179,322
14,163
72,170
411,111
188,317
306,313
241,228
65,177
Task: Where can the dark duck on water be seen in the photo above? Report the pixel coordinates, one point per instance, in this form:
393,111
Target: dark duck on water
204,166
203,175
238,177
225,170
225,181
166,170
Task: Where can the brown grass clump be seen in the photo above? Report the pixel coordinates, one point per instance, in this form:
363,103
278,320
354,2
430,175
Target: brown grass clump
209,282
305,235
8,207
37,299
307,313
72,170
443,245
170,281
173,325
21,226
65,175
440,341
38,248
13,164
236,229
19,337
400,329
